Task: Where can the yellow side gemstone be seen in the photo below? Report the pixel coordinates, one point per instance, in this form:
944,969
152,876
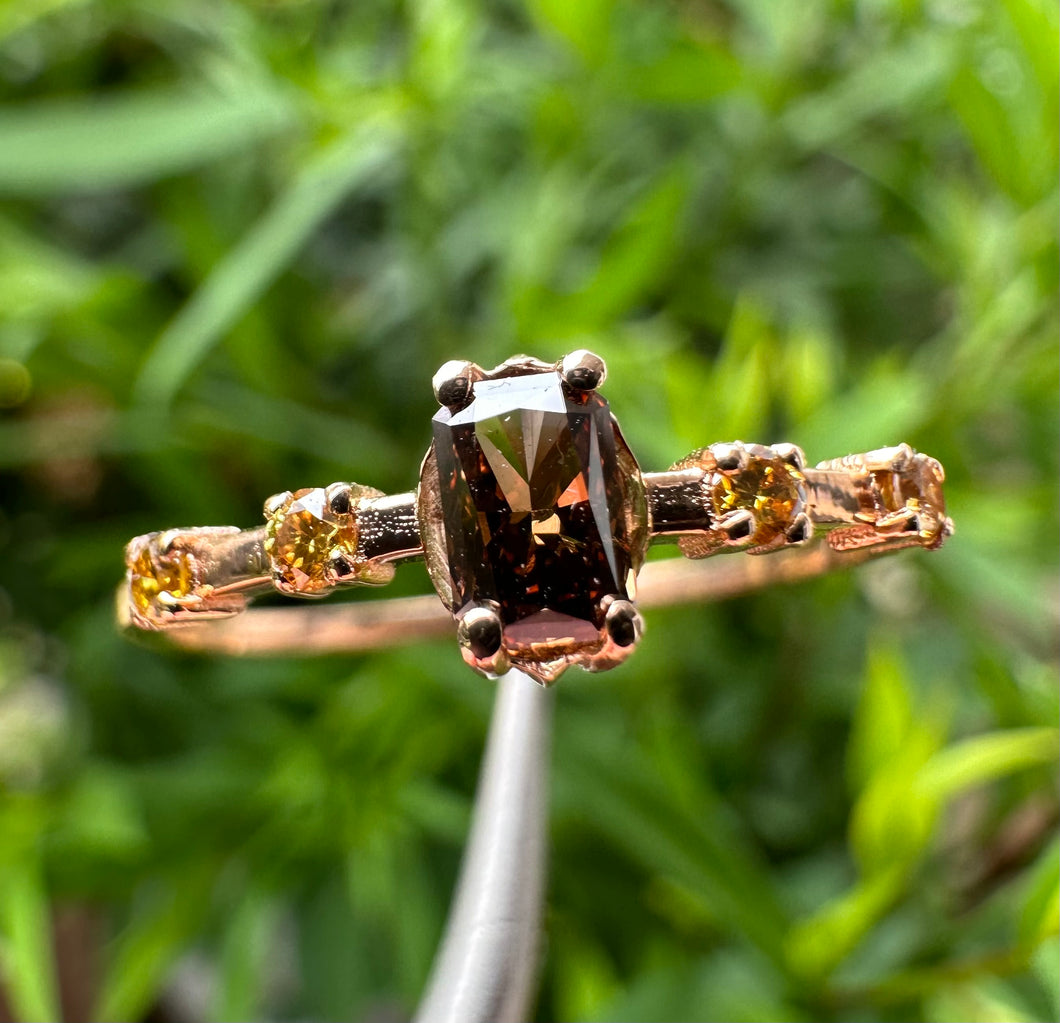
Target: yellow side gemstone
301,537
150,576
918,485
768,487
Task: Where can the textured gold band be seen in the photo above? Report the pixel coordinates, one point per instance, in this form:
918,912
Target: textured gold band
380,624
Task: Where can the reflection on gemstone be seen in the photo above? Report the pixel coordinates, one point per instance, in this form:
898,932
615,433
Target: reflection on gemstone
548,628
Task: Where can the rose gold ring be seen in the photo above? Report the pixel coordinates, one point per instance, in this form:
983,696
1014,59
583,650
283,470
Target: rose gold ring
533,519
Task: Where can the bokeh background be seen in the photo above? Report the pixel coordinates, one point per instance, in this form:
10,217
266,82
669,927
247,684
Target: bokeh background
236,239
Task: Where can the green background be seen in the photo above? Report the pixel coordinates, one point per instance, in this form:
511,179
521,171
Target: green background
235,242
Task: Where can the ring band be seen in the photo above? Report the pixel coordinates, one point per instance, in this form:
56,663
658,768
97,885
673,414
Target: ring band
534,519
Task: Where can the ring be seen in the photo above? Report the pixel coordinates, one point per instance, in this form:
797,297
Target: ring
534,519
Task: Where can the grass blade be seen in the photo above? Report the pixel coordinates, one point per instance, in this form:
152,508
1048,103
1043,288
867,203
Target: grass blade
53,147
266,249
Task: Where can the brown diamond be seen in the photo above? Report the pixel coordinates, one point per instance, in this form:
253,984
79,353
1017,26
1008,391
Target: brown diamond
538,507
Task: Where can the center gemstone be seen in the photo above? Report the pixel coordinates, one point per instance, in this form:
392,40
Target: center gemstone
540,510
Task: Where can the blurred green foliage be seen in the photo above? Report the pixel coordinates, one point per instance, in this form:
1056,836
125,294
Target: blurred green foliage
235,242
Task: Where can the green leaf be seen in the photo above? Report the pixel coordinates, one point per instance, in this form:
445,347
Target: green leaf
586,974
586,25
883,716
884,406
982,1000
993,134
253,264
1045,964
891,80
1040,914
742,369
244,966
38,281
115,141
1035,23
26,962
151,944
892,823
686,74
692,841
806,371
15,17
633,259
984,758
102,818
816,945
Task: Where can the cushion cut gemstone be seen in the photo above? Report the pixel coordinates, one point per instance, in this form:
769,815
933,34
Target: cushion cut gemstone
540,510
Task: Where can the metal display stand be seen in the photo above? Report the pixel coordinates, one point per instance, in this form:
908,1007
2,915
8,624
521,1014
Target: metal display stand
486,966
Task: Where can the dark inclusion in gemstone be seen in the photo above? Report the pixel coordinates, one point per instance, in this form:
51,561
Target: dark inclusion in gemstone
542,511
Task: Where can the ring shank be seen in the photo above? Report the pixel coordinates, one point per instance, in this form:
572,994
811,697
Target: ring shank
361,626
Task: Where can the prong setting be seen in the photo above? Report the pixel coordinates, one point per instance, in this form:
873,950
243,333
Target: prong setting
168,541
340,498
480,633
624,623
737,526
792,454
729,458
454,382
341,566
583,370
800,531
276,502
165,579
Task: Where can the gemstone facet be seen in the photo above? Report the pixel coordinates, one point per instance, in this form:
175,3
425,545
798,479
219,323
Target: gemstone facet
151,575
752,486
301,537
532,502
919,486
767,487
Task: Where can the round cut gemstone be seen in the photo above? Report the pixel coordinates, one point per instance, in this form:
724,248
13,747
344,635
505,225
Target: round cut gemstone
301,536
148,577
919,486
768,487
539,509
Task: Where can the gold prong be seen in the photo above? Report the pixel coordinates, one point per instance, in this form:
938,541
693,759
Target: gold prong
454,382
583,370
800,531
276,502
730,458
340,498
624,623
341,566
738,526
792,454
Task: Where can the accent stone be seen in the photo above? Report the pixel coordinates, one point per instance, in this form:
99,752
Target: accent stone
301,536
151,575
542,512
766,486
918,485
